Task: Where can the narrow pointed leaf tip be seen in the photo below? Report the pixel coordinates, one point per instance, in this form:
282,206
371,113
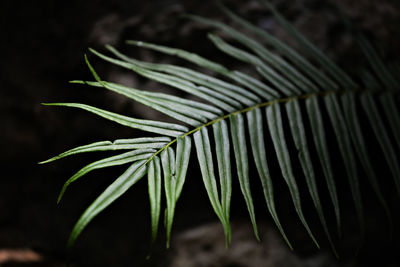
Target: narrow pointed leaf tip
242,165
275,124
204,156
256,131
124,158
300,140
164,128
133,174
121,144
94,73
191,57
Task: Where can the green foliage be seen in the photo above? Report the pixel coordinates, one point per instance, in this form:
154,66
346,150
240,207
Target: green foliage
240,105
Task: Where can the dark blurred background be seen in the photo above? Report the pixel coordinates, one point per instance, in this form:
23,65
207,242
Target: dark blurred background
42,47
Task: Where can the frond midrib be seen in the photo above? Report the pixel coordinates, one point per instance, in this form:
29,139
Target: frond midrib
259,105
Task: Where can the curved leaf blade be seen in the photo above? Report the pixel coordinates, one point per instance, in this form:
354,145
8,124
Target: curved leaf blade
164,128
216,98
346,150
242,165
341,77
361,149
193,120
253,84
236,92
168,166
183,148
191,57
121,159
381,134
392,114
222,147
154,188
265,70
300,140
133,174
175,110
383,73
245,80
255,123
121,144
304,65
204,156
173,104
274,119
287,72
174,169
318,131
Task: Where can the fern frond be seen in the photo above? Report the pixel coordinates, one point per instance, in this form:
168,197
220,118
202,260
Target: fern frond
239,105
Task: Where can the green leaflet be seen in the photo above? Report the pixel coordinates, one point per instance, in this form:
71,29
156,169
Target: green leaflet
317,128
274,119
268,57
242,165
194,119
243,79
376,63
253,84
226,103
255,123
392,113
338,122
266,71
204,157
302,64
222,148
143,142
184,79
136,171
174,177
121,144
381,134
187,107
351,114
199,60
124,158
300,140
361,148
236,92
341,77
158,127
369,80
183,148
168,165
174,110
154,188
346,150
382,71
167,104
